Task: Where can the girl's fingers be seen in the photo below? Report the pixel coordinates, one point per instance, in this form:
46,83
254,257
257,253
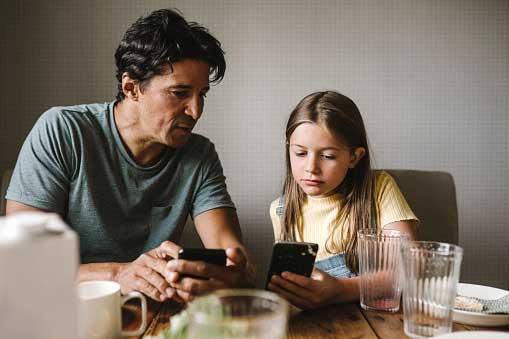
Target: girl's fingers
317,274
298,279
290,286
292,298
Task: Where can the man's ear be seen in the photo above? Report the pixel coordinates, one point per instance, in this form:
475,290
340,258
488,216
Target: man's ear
130,87
356,156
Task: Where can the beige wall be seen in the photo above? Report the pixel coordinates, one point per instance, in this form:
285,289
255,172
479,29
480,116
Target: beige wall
431,78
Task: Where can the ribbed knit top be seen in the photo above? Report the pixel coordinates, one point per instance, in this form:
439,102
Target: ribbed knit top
320,214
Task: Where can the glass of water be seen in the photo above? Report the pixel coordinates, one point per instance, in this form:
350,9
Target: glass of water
431,271
238,314
379,255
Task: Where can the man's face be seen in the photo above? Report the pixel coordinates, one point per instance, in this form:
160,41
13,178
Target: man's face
171,103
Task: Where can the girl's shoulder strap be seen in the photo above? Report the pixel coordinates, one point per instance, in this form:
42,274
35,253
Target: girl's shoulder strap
280,206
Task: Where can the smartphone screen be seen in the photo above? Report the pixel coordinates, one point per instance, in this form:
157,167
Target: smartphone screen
211,256
295,257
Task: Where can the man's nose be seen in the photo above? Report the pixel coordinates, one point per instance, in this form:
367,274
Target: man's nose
194,107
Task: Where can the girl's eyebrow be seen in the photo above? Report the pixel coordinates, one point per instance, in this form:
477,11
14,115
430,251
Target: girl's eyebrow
322,149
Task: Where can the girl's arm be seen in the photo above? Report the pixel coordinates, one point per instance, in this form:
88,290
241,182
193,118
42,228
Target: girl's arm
349,290
404,226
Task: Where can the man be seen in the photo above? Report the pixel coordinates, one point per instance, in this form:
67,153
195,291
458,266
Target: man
126,175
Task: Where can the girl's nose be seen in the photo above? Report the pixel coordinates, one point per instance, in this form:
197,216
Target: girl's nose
312,166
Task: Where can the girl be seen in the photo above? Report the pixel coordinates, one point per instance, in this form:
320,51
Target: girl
329,193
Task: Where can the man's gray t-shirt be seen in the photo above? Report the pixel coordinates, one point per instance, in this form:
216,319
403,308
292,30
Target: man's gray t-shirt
74,163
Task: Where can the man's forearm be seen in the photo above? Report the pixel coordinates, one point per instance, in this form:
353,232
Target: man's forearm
99,271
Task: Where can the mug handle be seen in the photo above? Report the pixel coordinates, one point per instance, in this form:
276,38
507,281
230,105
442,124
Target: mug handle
141,329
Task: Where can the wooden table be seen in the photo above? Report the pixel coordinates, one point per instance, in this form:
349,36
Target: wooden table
337,321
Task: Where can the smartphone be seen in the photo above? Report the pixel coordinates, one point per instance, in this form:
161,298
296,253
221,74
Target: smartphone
211,256
291,256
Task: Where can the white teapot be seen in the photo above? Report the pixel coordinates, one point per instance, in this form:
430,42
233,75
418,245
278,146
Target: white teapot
38,273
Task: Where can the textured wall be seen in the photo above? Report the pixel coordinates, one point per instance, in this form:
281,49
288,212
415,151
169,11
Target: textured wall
430,77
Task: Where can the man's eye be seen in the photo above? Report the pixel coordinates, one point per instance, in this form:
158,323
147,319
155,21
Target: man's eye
300,154
203,95
179,94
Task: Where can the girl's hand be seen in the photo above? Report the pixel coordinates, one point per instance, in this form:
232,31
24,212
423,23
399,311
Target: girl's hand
306,293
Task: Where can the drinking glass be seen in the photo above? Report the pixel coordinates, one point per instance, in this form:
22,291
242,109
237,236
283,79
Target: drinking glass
238,314
431,272
380,268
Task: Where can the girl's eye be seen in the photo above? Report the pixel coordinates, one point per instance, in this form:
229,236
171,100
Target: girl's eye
328,157
300,154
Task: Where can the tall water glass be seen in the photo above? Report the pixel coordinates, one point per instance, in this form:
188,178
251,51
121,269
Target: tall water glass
380,269
431,272
238,314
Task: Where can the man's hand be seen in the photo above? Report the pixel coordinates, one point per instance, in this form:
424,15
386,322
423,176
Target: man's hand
146,273
234,274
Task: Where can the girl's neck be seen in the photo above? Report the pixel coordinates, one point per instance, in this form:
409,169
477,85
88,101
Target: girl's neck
332,198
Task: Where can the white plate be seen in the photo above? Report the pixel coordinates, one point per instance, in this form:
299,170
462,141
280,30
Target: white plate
476,318
474,335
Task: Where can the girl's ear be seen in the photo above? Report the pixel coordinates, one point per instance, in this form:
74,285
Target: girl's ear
130,87
356,156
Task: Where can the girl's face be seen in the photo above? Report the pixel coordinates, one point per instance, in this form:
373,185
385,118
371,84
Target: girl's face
319,160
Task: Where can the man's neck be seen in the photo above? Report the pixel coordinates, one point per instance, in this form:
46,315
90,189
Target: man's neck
143,151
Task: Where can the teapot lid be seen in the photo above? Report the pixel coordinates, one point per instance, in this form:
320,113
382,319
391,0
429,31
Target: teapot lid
25,225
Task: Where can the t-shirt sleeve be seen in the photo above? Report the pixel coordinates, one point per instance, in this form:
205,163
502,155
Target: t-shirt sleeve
43,171
212,191
391,203
276,221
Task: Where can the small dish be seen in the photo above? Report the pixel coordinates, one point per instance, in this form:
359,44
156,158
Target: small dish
474,335
476,318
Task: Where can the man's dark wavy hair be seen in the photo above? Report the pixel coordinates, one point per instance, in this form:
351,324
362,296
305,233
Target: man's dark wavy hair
160,39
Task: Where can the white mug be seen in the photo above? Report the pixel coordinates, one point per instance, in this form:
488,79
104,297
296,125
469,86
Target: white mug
100,310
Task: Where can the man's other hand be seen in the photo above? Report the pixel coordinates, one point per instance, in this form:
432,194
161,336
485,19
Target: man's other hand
234,274
146,273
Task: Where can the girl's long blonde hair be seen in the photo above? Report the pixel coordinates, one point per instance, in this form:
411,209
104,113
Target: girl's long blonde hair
339,115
